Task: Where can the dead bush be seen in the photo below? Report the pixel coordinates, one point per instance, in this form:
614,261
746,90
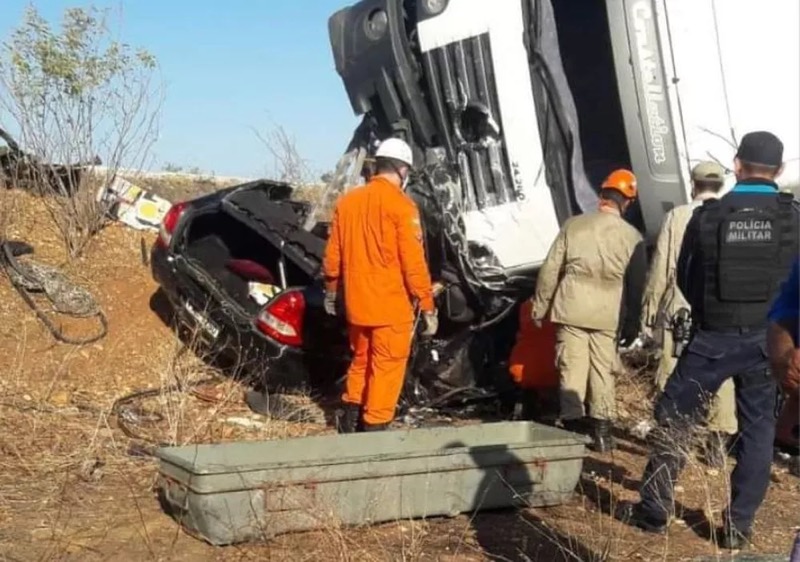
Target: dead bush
287,162
76,96
77,217
320,190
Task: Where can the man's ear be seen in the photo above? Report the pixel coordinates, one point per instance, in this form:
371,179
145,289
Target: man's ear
780,170
737,167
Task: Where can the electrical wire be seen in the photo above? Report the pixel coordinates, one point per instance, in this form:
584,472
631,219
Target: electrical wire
441,401
120,409
15,273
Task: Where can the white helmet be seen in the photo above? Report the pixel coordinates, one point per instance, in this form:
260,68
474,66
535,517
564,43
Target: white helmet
397,149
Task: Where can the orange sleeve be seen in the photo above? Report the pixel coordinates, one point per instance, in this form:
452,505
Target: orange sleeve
332,262
412,255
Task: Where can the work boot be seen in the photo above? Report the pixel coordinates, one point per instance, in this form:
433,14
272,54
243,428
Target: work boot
632,514
577,425
374,427
549,407
508,401
716,449
601,433
730,538
347,418
529,403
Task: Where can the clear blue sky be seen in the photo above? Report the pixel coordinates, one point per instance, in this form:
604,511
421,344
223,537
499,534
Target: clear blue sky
230,66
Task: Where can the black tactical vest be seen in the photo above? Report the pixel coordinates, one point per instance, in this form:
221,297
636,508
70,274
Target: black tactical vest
748,249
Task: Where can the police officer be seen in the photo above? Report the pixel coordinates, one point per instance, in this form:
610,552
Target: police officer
736,252
664,306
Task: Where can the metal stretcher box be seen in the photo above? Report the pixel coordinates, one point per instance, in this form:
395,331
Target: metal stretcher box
247,491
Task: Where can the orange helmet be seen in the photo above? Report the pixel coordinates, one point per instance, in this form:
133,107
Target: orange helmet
622,180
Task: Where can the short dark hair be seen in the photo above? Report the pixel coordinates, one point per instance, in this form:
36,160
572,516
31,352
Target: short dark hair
613,195
761,170
368,169
708,186
385,165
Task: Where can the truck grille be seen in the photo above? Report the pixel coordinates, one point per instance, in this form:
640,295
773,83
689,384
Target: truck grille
464,98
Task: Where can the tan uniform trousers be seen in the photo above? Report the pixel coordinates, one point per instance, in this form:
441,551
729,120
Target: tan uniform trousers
721,411
586,360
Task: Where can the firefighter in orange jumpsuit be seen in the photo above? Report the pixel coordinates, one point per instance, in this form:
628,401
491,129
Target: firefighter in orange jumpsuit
375,259
532,366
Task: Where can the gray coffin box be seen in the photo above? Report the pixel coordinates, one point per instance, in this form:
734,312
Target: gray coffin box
244,491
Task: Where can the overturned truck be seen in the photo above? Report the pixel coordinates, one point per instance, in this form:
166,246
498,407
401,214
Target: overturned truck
517,108
520,107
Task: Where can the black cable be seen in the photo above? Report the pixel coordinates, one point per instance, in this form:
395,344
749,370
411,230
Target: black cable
496,319
465,269
9,261
440,400
118,410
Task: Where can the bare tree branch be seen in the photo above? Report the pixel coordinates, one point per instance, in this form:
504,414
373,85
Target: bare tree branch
77,95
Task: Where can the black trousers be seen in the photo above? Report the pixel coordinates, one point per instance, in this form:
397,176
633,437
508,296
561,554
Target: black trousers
710,358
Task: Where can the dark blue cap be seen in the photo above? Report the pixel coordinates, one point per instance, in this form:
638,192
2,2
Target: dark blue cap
761,147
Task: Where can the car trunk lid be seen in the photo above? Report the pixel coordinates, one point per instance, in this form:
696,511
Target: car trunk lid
268,210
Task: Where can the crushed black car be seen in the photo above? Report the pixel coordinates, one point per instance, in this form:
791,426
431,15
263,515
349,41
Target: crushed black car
213,251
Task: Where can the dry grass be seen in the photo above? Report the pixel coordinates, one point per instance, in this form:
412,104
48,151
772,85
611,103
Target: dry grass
70,490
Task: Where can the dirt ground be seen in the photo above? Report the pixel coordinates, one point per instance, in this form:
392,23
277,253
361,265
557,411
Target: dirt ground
71,490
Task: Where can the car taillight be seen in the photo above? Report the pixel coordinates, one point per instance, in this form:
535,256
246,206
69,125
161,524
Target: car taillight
282,318
168,224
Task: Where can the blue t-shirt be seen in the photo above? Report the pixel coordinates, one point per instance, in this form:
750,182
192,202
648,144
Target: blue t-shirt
787,305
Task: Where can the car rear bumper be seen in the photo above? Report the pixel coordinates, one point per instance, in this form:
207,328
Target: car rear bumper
237,341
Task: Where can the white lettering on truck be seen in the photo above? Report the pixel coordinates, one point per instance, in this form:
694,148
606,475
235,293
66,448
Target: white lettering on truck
653,91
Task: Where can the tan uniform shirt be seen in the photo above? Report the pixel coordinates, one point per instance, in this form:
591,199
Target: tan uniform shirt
581,281
662,298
